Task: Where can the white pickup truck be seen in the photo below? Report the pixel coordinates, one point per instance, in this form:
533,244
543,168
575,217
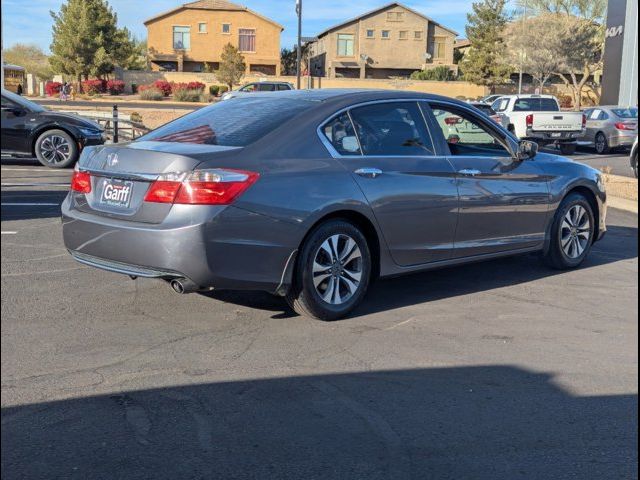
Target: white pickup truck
538,118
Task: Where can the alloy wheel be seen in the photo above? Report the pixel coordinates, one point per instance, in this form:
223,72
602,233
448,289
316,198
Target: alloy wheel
55,149
337,269
601,143
575,232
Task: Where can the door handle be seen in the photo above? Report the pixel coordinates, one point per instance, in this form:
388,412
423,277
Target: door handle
369,172
470,172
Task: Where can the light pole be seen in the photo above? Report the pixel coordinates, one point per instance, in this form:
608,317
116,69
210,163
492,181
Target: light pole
524,19
299,49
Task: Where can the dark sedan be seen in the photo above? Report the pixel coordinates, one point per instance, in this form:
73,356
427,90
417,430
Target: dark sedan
311,195
55,138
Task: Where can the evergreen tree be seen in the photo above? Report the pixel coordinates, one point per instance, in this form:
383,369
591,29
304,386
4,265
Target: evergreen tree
232,66
484,63
87,40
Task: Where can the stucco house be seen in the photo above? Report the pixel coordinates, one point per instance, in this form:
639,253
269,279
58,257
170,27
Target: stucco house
392,40
194,34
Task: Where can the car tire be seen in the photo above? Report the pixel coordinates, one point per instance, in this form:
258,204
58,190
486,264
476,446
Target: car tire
568,148
601,144
56,149
572,233
634,164
333,271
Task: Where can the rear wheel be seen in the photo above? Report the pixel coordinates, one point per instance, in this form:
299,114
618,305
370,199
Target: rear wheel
56,149
332,273
568,148
634,164
601,144
571,233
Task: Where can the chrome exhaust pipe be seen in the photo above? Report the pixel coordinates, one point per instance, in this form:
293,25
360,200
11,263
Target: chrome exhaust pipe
183,285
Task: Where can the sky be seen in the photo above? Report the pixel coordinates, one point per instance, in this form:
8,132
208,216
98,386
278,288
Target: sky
28,21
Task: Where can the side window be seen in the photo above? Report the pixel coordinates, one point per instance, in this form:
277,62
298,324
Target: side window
341,135
6,103
249,88
392,128
467,135
500,105
266,87
284,87
603,116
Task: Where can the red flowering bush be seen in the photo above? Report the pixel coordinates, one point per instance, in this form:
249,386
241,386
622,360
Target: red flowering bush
163,86
94,86
195,86
115,87
52,88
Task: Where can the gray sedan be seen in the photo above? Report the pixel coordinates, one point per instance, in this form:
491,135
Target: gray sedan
311,195
610,127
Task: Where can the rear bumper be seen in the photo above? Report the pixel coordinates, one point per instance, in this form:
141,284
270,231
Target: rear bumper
214,247
622,139
548,137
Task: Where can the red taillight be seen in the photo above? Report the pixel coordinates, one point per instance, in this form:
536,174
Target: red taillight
624,126
452,120
529,120
81,182
202,187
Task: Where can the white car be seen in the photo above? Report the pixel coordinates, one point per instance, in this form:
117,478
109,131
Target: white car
250,88
539,118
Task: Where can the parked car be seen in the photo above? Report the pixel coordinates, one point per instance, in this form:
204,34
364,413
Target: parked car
490,99
487,110
312,194
55,138
538,118
633,158
611,127
257,87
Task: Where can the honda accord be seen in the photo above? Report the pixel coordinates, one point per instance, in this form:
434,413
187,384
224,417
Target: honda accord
311,195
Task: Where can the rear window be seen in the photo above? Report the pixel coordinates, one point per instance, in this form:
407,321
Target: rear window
233,123
536,105
626,112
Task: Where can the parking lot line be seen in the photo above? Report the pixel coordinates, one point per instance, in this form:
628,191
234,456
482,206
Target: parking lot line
9,233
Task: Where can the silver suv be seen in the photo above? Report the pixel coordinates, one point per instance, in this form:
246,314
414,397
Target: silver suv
257,87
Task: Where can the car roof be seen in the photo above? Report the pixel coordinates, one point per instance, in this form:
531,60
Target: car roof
359,94
527,95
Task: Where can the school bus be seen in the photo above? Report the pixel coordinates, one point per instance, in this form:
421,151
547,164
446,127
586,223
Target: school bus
14,78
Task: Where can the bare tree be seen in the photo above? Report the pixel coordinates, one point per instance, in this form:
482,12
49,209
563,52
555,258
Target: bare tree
534,44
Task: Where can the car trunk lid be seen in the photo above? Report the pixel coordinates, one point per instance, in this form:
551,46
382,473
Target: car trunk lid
122,174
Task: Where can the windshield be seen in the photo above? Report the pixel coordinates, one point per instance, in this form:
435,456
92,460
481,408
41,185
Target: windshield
23,102
626,112
234,123
536,105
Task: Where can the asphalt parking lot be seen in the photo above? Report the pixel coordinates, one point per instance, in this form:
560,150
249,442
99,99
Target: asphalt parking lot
500,370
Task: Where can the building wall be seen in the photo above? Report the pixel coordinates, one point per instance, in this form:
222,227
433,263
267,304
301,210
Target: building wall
207,47
383,53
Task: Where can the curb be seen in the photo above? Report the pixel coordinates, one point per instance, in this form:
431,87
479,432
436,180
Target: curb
622,204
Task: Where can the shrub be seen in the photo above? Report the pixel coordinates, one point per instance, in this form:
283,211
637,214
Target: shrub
94,87
115,87
223,89
214,89
150,93
134,88
52,88
565,101
186,95
440,74
196,86
136,117
163,86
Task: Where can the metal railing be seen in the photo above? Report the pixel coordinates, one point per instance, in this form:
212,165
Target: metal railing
116,128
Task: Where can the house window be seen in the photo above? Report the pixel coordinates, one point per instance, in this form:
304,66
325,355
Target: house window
417,35
394,16
226,28
403,35
247,41
182,38
440,47
370,33
345,44
202,27
385,33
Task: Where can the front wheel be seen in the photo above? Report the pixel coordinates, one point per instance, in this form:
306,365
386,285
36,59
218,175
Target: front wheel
601,144
571,233
568,148
56,149
332,273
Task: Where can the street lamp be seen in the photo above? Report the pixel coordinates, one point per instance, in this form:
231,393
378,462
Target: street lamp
299,49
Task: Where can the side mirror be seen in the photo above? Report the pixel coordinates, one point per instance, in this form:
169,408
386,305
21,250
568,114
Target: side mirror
526,150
